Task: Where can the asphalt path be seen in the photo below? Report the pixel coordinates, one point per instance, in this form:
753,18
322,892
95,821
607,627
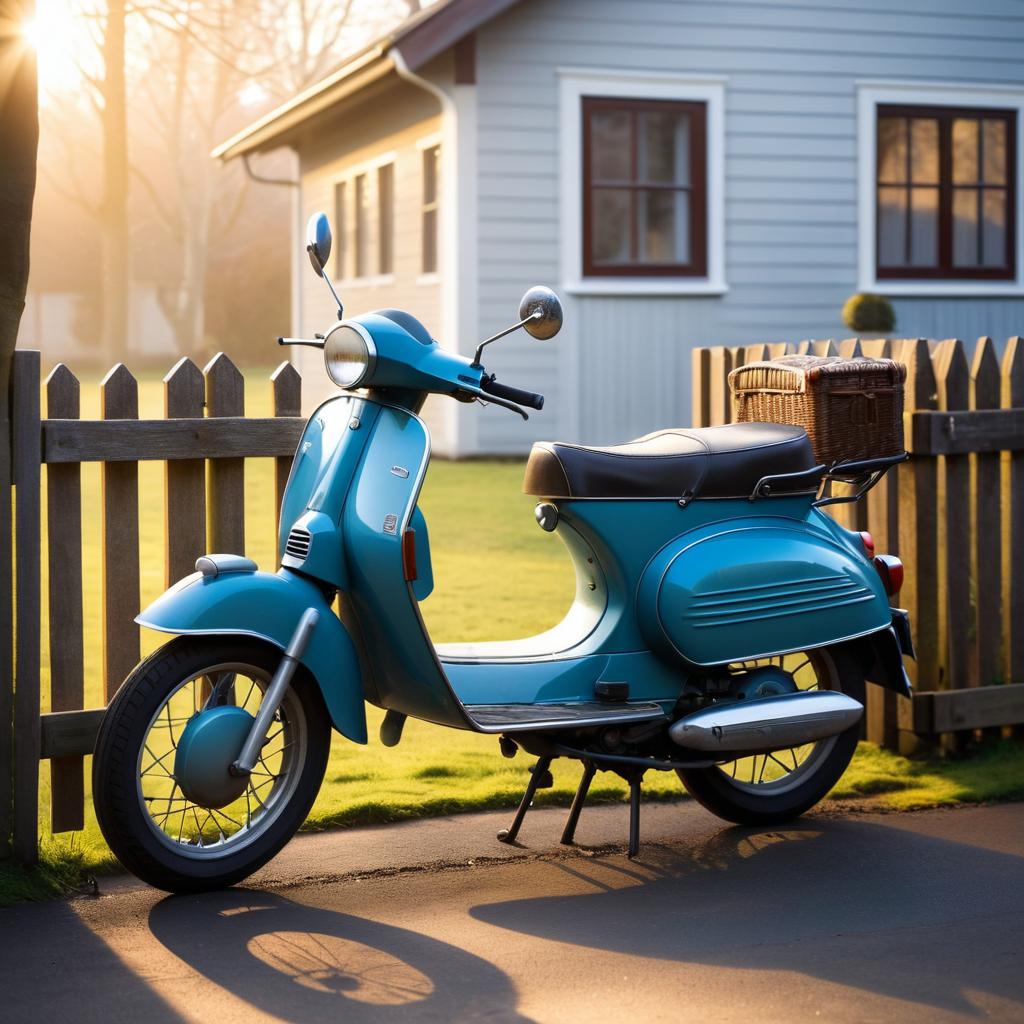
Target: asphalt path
915,917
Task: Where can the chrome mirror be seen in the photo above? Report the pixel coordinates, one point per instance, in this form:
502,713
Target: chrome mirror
541,313
318,242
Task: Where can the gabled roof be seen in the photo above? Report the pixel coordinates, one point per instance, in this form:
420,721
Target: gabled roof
416,41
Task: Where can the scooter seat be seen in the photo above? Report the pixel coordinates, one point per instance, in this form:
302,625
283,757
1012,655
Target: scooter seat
699,462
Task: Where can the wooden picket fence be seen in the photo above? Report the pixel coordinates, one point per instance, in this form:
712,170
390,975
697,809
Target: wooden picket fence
954,513
203,441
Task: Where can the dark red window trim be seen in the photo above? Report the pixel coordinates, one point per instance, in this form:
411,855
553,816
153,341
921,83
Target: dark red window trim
697,267
945,270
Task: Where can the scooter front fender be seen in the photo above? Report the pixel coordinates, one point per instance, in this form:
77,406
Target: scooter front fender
269,606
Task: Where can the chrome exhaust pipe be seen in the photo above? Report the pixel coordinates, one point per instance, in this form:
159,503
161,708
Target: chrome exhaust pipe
768,723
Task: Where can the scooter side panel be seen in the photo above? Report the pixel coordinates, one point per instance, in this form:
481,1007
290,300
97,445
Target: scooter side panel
269,606
756,588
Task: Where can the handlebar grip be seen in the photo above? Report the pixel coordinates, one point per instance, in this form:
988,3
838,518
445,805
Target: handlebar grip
528,398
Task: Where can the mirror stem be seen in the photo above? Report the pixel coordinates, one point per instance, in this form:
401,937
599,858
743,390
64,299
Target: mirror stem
323,274
536,315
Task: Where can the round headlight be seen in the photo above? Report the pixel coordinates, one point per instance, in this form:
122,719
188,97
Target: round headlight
349,356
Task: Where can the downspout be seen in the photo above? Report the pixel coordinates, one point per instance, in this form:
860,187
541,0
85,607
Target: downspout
458,306
295,184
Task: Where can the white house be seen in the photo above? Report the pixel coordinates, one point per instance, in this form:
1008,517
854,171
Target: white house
683,173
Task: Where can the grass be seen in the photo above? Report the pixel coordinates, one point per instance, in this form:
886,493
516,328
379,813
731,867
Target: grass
477,517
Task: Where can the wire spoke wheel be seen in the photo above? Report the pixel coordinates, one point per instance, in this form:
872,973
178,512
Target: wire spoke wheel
189,827
780,785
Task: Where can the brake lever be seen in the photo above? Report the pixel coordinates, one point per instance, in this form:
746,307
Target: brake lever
485,399
317,342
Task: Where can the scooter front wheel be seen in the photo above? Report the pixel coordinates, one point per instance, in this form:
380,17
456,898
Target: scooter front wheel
764,789
184,823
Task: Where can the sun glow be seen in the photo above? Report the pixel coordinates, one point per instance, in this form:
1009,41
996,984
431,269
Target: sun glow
60,36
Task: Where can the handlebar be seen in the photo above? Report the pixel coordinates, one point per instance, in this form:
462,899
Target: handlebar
528,398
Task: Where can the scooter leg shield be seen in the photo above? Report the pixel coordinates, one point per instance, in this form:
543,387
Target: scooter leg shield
269,606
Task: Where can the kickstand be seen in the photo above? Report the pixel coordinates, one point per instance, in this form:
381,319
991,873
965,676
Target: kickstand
634,813
569,832
539,778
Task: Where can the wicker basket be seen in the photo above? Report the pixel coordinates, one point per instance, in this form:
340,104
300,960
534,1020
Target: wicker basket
850,408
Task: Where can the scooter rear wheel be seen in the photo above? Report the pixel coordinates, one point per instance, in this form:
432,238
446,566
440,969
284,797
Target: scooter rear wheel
184,843
765,789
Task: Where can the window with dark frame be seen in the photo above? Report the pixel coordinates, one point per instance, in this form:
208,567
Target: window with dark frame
340,226
644,188
385,218
361,246
431,166
945,193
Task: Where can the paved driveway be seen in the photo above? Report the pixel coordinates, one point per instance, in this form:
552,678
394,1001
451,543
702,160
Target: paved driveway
859,918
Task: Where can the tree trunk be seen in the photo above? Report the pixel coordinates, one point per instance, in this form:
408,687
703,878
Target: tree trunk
114,207
19,129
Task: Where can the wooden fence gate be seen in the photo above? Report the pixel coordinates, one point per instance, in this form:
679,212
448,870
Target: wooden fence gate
203,441
954,513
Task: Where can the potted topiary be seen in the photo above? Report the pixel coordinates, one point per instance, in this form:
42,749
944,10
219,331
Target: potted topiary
869,314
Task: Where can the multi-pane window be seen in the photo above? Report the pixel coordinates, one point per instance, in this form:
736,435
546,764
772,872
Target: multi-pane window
385,218
431,169
340,227
945,193
644,188
362,227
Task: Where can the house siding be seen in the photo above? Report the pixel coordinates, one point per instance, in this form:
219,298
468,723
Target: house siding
397,123
621,367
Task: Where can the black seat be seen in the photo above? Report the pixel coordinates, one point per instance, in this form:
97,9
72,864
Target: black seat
704,462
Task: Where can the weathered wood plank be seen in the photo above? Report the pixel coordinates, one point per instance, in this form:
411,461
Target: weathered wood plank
753,354
1013,511
286,385
26,464
6,643
988,430
978,708
985,388
119,400
69,734
225,396
826,347
918,521
64,547
720,403
849,348
232,437
953,380
700,387
185,505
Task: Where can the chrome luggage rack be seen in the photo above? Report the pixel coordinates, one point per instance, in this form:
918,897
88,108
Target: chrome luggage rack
861,474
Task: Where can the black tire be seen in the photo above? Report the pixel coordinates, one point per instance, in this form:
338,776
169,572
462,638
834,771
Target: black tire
722,796
124,820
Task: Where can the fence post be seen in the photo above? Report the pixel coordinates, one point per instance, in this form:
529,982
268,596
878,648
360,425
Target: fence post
185,507
225,396
64,545
700,387
287,390
720,401
1013,505
918,520
27,454
119,400
987,667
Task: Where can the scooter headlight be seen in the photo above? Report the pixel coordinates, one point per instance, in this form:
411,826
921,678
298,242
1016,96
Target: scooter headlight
349,356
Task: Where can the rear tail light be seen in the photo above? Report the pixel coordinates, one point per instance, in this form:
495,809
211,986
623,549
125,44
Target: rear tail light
869,543
409,555
890,569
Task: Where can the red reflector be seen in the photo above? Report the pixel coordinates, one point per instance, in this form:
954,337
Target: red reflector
409,555
869,543
890,569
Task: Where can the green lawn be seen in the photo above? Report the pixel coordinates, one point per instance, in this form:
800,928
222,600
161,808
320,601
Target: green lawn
478,517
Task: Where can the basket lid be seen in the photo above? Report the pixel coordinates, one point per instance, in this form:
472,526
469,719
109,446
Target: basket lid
794,373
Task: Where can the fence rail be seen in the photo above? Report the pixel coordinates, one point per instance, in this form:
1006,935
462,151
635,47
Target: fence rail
203,442
954,512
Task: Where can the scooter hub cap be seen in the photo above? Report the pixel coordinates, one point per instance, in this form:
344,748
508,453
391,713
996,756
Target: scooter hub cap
208,746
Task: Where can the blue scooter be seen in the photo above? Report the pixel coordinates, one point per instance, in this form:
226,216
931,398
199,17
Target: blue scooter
724,626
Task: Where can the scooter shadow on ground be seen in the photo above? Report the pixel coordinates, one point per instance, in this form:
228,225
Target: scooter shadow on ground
808,898
302,963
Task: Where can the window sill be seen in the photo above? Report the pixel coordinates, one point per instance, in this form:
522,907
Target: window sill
941,289
645,286
426,279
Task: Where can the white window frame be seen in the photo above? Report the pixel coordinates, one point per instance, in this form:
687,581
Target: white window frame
429,142
871,95
348,177
577,83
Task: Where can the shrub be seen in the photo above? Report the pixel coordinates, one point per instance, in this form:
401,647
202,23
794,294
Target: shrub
864,312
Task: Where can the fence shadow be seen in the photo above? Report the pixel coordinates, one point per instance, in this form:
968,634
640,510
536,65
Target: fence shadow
849,902
302,963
